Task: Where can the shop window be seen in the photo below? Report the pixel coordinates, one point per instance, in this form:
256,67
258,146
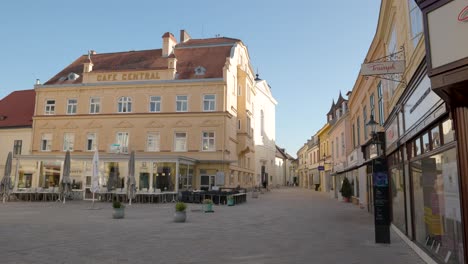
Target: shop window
437,218
425,143
448,131
417,147
435,137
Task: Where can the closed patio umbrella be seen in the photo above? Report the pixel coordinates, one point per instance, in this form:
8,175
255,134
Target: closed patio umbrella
66,181
131,177
95,176
6,181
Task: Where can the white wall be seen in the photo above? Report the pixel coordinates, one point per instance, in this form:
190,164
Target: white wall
265,139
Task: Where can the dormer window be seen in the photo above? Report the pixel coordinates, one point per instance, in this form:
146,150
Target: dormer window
200,70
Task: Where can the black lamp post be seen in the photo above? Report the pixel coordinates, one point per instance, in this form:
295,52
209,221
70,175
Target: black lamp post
381,193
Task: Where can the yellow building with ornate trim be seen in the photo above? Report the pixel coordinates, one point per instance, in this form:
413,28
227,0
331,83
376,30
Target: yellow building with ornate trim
185,110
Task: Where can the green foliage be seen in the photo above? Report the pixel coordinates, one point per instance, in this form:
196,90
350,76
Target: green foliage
117,204
180,206
346,189
207,201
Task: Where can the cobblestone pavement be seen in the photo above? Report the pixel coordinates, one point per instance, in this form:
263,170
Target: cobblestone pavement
288,225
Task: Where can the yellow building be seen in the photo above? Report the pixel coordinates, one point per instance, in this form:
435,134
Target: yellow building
325,158
184,109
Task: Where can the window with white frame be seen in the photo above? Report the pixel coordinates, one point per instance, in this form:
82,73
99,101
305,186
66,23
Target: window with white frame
337,147
209,102
91,140
155,104
248,125
391,49
364,119
381,104
50,107
372,105
122,141
239,91
262,122
94,105
17,145
208,141
342,144
333,149
153,141
238,124
180,141
181,103
46,142
416,22
247,93
358,127
124,105
68,141
71,106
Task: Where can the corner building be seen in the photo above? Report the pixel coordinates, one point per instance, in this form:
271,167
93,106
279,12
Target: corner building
179,108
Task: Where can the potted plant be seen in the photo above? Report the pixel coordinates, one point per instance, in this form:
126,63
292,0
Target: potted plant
346,190
230,200
180,214
119,210
208,206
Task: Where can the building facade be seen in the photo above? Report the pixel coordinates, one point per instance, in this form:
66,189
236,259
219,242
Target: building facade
264,109
16,111
446,35
186,110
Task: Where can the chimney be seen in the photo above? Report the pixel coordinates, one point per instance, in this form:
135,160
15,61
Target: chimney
88,65
169,42
184,36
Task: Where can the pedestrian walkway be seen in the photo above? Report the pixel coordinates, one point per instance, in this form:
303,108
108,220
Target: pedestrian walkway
288,225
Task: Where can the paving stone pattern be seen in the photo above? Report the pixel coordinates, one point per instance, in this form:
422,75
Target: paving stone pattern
288,225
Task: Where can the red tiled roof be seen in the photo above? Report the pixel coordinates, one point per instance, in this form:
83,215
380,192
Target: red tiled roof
17,109
189,55
209,41
212,59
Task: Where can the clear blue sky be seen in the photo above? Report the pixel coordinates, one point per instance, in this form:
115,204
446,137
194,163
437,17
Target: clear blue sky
307,50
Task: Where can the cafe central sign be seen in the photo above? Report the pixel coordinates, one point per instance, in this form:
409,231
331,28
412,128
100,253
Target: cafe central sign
127,76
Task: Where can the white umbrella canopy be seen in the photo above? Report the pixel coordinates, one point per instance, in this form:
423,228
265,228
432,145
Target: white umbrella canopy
95,175
6,180
66,181
131,183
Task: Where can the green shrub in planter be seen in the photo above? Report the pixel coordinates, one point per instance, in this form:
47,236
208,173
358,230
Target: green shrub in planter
180,206
208,206
180,215
119,210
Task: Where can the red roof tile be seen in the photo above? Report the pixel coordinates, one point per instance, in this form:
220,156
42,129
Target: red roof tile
17,109
208,53
209,41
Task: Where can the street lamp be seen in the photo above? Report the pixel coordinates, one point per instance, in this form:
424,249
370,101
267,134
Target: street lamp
373,125
380,187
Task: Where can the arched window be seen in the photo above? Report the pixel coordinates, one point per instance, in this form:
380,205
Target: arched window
124,105
262,122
